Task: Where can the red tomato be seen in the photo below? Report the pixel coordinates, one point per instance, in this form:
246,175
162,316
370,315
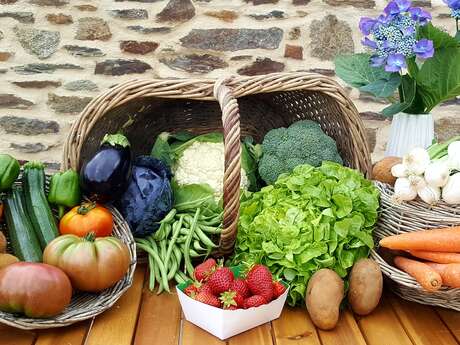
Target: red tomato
89,217
34,289
91,264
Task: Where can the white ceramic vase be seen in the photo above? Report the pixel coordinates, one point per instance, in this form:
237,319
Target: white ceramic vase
409,131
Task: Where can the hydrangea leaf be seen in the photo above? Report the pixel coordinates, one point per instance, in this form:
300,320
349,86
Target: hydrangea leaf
356,71
383,88
406,94
441,39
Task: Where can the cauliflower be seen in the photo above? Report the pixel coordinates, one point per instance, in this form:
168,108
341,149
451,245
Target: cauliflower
203,162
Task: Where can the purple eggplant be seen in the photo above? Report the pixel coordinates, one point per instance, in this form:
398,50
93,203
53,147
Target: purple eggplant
106,175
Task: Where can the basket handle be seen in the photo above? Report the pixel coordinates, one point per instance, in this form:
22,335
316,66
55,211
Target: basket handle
232,174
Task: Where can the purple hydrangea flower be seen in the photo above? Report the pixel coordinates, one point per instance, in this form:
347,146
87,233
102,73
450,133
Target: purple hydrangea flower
366,25
395,63
420,15
424,49
396,7
453,4
369,43
377,61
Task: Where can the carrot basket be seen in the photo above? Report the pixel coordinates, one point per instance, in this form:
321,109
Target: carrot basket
235,106
83,306
408,217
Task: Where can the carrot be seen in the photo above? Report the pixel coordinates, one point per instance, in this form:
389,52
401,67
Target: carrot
426,276
436,240
439,257
450,273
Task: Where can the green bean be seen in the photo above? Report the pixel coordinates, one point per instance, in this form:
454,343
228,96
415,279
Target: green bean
181,239
205,239
169,217
187,259
183,275
178,278
178,254
152,273
173,240
185,232
197,246
210,229
159,234
193,253
154,252
173,268
163,251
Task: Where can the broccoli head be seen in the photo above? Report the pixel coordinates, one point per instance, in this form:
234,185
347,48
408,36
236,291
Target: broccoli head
304,142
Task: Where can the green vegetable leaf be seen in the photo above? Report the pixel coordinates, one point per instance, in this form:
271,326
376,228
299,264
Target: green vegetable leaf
356,71
193,196
441,39
457,36
383,88
439,78
406,94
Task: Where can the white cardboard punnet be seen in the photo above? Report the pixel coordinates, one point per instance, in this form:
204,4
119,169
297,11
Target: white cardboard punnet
227,323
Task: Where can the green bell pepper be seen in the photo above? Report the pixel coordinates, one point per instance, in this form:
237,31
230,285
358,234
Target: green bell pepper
9,171
65,190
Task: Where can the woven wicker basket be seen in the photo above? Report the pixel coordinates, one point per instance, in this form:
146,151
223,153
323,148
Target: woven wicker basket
407,217
84,306
201,106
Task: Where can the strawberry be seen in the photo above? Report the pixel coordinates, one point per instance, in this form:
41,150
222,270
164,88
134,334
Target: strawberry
260,282
207,298
205,269
205,288
221,280
254,301
232,307
231,298
191,290
239,285
278,289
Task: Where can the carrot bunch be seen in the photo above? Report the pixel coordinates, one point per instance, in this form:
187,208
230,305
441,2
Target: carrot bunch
440,250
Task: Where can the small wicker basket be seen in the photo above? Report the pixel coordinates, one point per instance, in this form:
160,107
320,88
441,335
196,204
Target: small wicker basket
84,306
264,102
407,217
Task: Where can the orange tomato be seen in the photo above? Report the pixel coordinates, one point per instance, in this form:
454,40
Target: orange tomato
86,218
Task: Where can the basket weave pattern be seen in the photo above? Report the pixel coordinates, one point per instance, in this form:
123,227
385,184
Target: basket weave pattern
408,217
201,106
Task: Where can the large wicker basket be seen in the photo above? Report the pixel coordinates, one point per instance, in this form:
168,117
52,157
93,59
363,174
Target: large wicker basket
237,106
83,306
407,217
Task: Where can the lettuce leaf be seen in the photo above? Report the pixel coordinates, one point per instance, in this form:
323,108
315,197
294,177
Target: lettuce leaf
310,219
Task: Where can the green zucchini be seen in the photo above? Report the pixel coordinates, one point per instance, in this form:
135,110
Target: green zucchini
23,238
43,222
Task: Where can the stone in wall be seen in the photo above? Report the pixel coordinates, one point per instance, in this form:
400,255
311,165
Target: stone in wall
35,68
6,2
195,63
293,52
41,43
371,136
421,3
14,102
86,8
372,116
355,3
150,30
233,39
5,56
143,1
3,70
130,13
330,37
83,51
81,85
225,15
1,35
262,2
92,28
67,104
447,127
138,47
37,84
59,18
323,71
22,17
177,11
56,3
27,126
30,147
275,14
262,66
294,33
120,67
300,2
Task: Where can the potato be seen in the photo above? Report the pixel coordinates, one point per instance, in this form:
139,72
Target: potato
325,292
366,284
7,259
2,243
382,170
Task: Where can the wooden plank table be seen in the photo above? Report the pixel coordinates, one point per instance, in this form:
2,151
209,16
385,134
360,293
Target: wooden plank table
143,318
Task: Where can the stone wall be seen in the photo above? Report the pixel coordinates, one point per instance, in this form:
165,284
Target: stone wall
55,55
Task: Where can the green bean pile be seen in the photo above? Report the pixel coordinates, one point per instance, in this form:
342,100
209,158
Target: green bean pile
182,236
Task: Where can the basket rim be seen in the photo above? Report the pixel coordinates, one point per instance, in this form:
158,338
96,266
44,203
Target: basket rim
121,231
